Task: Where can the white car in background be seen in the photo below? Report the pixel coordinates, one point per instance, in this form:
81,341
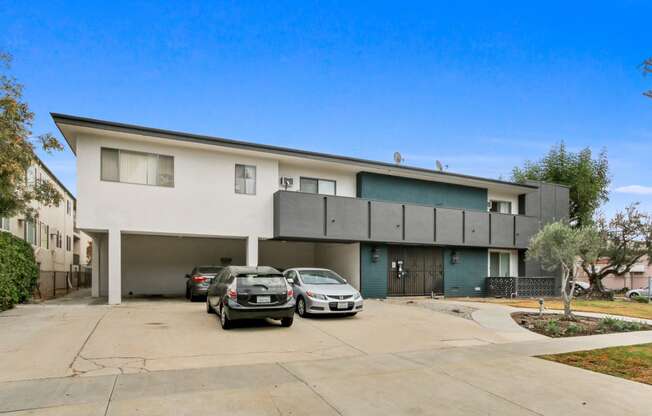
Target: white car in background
634,293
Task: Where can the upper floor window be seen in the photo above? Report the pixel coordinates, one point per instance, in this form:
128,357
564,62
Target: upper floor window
30,232
68,207
31,176
245,179
317,186
68,243
503,207
136,167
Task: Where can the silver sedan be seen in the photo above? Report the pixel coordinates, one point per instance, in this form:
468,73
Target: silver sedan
322,291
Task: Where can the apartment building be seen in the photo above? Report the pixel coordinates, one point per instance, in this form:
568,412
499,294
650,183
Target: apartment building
58,245
156,203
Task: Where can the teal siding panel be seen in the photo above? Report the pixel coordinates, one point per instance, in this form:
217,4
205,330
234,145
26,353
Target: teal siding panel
415,191
462,278
373,275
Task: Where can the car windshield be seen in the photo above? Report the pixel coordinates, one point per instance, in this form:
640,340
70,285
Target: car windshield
321,277
209,270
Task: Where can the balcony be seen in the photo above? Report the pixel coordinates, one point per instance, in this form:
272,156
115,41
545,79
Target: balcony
306,216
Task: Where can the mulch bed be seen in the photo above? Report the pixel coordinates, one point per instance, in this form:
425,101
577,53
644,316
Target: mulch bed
552,325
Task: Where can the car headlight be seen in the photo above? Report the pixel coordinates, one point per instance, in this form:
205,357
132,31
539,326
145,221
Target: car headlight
316,295
357,296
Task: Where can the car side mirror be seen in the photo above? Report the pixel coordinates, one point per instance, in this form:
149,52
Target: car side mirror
290,281
187,276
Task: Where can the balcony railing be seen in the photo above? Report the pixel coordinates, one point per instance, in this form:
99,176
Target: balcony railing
299,215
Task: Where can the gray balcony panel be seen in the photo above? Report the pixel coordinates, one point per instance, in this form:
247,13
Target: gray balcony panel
526,227
502,230
346,218
476,228
298,215
386,221
449,226
419,224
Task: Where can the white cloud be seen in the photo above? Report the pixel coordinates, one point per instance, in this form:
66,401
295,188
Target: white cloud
635,189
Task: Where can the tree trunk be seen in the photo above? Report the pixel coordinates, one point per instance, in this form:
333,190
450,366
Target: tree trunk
567,294
597,289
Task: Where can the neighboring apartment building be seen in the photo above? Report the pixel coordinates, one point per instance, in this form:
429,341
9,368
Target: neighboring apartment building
58,245
157,203
636,278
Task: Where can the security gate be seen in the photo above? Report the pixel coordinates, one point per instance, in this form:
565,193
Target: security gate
415,271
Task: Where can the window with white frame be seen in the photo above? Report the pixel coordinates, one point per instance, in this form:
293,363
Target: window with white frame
137,167
503,207
30,231
68,206
317,186
31,176
4,223
499,264
68,243
245,179
45,238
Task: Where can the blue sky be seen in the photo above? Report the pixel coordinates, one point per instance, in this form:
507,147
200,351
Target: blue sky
481,86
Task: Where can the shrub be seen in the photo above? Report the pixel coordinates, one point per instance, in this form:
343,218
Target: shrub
641,299
550,327
18,271
618,325
574,329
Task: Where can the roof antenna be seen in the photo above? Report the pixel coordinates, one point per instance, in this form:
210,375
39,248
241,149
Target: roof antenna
439,166
398,159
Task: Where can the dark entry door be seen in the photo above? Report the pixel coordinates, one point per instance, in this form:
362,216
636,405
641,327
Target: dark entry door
415,271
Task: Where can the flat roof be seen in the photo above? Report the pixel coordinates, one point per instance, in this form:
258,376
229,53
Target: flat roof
70,120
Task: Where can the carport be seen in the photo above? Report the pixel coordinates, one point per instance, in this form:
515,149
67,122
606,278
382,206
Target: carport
343,258
155,265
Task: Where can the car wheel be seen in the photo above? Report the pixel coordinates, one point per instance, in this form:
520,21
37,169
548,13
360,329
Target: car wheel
192,297
209,308
301,307
287,322
224,320
633,295
187,292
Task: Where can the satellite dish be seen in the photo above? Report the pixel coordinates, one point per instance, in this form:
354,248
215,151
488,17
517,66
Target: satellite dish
398,158
440,167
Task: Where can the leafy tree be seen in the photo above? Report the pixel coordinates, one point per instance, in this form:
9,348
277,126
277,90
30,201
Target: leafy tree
556,246
588,178
619,244
646,67
17,151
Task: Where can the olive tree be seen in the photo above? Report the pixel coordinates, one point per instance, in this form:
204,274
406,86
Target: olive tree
618,244
556,246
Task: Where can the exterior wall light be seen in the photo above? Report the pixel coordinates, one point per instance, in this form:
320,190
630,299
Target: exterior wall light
455,258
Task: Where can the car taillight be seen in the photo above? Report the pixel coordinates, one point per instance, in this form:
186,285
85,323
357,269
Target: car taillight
199,279
290,292
232,294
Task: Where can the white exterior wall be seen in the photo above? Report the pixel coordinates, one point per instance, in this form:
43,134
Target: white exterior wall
202,201
344,259
502,196
345,181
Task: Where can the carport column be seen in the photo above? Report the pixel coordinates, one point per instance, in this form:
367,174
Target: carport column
115,267
252,250
95,268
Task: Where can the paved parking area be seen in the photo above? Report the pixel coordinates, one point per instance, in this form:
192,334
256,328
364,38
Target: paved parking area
170,357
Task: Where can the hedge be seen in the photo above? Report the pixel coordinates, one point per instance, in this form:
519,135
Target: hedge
18,270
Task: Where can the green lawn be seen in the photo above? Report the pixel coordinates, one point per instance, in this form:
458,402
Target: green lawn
633,362
615,307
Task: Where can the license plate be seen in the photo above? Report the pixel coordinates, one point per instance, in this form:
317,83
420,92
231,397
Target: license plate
263,299
342,305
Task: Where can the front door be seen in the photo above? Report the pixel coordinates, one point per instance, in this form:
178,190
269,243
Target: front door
415,271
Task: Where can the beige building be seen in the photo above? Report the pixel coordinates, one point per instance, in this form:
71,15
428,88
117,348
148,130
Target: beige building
58,245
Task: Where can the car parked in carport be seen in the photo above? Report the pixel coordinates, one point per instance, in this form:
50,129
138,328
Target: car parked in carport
322,291
198,280
240,292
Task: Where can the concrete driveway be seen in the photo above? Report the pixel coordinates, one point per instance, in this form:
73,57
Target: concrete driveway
170,357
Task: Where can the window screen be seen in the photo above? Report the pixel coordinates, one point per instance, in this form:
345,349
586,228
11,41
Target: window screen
136,167
317,186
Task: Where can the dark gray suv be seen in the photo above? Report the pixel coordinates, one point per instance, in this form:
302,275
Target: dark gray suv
199,279
240,292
